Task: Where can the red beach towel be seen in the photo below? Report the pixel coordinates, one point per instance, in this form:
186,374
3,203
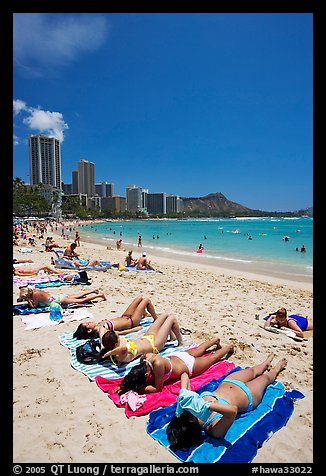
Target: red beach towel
169,393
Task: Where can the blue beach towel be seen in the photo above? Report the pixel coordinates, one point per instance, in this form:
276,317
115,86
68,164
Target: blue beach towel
133,268
25,309
246,435
106,369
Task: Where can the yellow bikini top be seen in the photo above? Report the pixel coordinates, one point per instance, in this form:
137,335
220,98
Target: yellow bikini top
131,347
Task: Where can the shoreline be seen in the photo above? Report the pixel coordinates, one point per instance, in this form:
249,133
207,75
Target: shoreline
233,268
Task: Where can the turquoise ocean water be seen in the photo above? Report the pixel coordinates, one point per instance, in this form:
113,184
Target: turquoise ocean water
227,241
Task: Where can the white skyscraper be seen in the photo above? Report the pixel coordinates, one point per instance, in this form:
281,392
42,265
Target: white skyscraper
44,160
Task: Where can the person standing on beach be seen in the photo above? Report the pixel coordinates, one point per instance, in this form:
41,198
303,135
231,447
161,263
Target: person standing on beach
140,241
77,238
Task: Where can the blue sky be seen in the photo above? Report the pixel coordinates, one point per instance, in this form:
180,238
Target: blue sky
183,103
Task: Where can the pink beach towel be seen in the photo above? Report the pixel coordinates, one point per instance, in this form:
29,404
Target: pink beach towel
169,393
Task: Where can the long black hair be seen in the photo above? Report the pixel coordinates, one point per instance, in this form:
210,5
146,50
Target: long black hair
134,380
109,340
184,431
82,332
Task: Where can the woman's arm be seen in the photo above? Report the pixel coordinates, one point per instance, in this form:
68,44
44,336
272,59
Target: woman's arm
115,351
158,379
229,413
270,321
127,331
184,381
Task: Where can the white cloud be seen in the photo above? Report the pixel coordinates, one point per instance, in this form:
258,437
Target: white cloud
40,121
19,106
52,40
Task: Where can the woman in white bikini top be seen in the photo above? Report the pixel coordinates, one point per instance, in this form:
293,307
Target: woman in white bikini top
149,376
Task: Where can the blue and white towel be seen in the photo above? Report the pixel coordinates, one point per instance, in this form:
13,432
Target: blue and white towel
248,432
105,368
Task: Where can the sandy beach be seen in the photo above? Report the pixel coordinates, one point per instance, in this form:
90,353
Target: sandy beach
60,416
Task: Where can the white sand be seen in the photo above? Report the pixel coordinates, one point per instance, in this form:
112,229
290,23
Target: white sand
62,417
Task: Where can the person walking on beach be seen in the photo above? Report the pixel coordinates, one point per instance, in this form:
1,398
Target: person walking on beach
140,244
154,370
121,350
129,321
77,238
214,412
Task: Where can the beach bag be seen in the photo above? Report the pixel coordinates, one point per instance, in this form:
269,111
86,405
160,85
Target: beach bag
89,352
82,278
56,312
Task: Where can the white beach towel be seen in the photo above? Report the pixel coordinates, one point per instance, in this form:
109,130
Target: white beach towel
35,321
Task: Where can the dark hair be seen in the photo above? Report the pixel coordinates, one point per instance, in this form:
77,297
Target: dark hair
134,380
109,340
82,332
73,245
184,431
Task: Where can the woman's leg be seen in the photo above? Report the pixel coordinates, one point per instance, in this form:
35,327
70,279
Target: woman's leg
139,312
258,385
202,348
82,300
251,373
133,306
162,332
82,294
204,362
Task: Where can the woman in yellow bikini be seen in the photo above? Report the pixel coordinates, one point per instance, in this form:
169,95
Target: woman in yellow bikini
120,350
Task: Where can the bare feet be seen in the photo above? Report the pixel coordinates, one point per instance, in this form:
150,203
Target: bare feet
230,350
102,295
281,364
269,359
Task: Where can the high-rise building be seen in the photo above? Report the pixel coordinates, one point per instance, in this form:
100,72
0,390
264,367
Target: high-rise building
44,160
75,181
86,182
104,189
136,198
156,203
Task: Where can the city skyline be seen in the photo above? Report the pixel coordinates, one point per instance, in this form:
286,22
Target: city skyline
188,104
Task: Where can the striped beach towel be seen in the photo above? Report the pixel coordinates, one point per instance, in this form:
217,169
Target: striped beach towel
105,368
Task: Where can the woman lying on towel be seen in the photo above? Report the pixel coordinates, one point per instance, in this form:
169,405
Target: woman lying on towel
39,298
280,319
149,376
33,270
127,322
121,350
215,411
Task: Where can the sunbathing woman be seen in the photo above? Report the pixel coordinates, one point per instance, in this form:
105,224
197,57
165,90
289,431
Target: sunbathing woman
298,324
149,376
33,270
121,350
215,411
127,322
39,298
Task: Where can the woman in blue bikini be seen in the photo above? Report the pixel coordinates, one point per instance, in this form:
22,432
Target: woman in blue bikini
280,319
215,411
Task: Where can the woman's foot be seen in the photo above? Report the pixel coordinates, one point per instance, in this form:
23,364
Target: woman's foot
281,364
269,359
230,350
